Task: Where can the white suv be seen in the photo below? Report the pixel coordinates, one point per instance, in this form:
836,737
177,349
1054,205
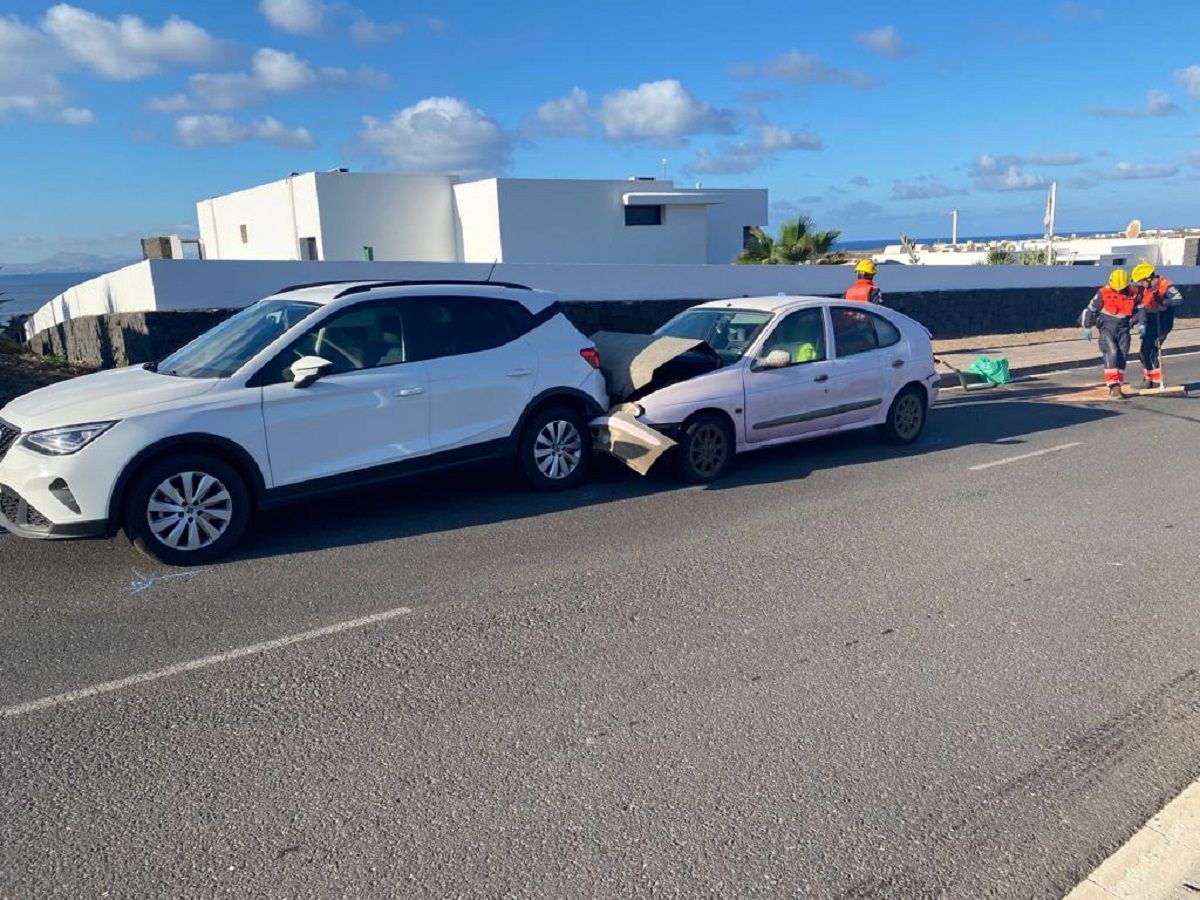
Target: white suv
316,388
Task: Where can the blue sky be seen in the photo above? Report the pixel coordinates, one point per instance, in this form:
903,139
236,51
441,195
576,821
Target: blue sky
115,117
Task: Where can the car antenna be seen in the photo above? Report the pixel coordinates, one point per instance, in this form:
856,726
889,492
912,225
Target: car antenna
488,280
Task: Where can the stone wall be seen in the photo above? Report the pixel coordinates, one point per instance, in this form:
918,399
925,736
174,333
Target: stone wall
123,339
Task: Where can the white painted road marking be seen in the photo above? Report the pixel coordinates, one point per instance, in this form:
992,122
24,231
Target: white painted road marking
1156,862
203,662
1013,459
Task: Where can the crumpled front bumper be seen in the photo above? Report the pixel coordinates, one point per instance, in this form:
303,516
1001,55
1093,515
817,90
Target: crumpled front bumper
622,435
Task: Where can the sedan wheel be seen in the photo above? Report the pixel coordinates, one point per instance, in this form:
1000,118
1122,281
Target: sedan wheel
705,449
906,418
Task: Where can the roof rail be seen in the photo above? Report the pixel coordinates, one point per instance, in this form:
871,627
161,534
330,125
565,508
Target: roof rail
363,288
313,284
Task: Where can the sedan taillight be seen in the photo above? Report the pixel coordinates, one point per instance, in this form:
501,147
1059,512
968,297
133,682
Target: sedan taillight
592,355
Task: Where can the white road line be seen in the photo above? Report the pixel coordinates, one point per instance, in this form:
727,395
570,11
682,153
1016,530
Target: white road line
204,662
1157,862
1013,459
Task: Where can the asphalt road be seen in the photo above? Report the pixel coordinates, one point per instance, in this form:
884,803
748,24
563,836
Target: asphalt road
846,671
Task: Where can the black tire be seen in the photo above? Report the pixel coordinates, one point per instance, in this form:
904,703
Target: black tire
706,448
222,506
906,417
555,450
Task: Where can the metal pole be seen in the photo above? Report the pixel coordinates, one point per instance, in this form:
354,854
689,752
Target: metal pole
954,227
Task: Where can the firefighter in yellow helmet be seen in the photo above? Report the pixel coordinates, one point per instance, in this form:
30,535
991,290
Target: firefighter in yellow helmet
1115,309
864,290
1160,298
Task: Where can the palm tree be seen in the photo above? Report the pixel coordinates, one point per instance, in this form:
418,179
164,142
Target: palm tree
798,242
1001,256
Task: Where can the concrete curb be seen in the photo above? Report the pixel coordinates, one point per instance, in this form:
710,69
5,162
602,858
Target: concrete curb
1157,863
949,379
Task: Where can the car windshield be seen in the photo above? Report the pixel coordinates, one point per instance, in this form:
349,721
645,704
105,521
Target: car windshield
728,331
221,351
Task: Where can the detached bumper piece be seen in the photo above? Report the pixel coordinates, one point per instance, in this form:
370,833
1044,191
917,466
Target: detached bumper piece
23,520
637,445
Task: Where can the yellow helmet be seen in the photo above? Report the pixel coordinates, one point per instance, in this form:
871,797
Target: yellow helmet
1142,271
1118,280
865,267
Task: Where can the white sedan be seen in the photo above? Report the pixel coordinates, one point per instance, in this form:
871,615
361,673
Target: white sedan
793,368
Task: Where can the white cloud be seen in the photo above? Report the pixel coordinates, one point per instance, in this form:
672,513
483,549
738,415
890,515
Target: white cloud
1158,103
563,117
303,17
365,31
922,190
1127,171
1003,173
29,84
1055,159
213,130
738,157
1190,79
662,111
885,41
1072,11
127,48
439,134
272,72
803,68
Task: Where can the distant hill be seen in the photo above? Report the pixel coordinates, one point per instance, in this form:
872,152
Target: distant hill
68,262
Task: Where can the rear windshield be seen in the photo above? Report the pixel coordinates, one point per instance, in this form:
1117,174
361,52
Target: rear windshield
728,331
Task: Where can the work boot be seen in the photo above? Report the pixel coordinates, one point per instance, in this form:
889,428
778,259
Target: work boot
1114,392
1147,384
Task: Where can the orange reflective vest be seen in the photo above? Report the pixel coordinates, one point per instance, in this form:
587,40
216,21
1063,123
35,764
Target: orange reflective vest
1117,303
1153,293
862,291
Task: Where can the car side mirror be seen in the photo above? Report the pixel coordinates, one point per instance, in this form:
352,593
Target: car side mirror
308,369
776,359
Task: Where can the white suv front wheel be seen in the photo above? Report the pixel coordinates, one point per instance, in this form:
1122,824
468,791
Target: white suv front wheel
187,510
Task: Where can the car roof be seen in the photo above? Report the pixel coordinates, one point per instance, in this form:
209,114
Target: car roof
355,291
771,304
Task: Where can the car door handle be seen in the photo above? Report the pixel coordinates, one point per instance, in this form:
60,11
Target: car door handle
520,373
897,364
410,391
821,378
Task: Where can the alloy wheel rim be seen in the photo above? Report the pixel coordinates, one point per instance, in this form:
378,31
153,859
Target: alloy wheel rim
189,511
558,449
708,449
908,416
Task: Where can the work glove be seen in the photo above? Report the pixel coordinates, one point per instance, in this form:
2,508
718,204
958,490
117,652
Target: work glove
1087,334
1141,329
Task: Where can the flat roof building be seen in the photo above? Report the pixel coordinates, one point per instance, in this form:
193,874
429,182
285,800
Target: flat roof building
345,216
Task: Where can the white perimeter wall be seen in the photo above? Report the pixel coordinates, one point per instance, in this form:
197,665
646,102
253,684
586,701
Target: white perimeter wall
584,222
196,284
267,212
404,217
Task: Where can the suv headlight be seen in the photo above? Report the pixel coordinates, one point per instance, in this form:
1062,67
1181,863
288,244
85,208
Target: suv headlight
65,441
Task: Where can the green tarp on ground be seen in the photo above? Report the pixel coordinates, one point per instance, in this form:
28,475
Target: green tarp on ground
993,371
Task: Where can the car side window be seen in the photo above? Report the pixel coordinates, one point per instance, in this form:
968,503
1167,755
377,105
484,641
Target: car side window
362,337
453,326
887,333
853,331
801,335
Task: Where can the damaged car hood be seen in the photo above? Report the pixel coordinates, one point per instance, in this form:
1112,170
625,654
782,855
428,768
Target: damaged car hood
634,364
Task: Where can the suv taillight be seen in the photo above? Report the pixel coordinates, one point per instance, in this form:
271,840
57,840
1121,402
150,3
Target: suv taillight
592,355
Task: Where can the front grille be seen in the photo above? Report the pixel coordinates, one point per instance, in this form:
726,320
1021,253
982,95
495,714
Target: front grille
20,513
8,435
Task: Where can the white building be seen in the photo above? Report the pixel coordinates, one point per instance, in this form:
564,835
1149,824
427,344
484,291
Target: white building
1159,248
343,216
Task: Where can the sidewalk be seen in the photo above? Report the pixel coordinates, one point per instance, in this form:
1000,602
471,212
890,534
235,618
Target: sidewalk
1050,351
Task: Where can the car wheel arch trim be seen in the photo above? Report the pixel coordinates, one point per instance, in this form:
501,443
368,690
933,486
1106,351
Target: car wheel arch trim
223,448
